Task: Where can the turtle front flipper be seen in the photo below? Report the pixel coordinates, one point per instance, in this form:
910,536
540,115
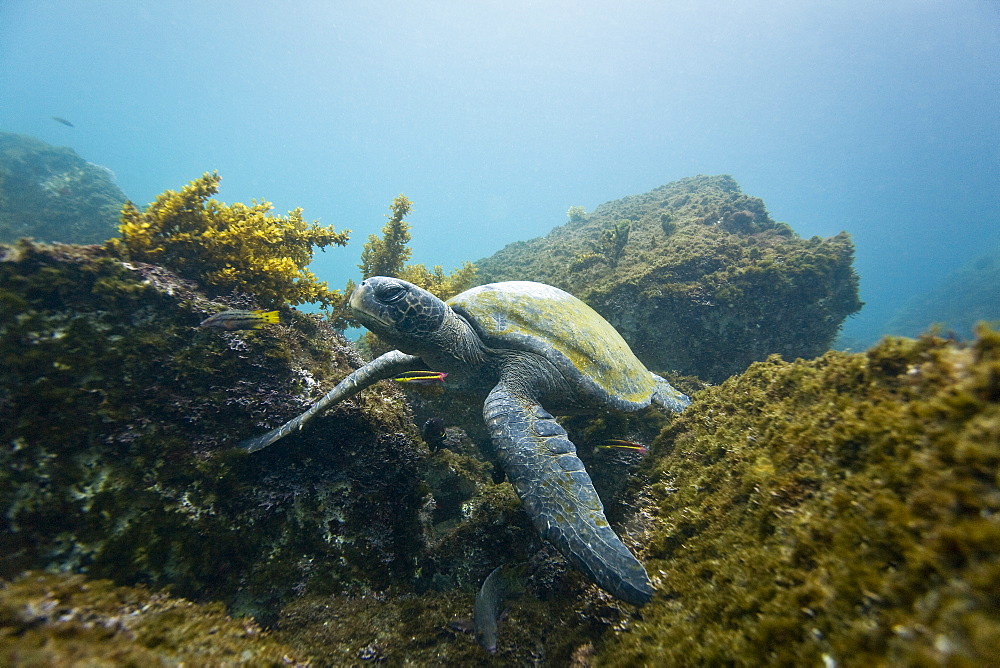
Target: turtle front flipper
388,365
558,495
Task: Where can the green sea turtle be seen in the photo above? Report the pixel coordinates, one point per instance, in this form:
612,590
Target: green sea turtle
524,345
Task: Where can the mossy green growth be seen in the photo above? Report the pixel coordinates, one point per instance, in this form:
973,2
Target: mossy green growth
62,620
696,276
119,418
841,510
228,247
387,256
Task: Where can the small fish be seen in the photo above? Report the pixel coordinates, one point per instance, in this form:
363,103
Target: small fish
498,474
57,119
433,433
500,586
239,319
421,377
619,444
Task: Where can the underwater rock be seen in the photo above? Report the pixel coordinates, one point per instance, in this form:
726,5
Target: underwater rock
119,417
696,276
966,296
63,619
52,194
837,511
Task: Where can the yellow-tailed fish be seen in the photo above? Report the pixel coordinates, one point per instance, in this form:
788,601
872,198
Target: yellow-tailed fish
421,377
239,319
619,444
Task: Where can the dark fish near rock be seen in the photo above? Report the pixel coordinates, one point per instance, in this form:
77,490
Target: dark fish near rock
500,587
433,433
57,119
239,319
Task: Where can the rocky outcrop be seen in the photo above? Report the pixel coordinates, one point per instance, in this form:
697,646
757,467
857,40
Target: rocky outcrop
696,276
119,417
51,194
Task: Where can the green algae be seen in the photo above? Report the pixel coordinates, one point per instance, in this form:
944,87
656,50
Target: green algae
840,509
696,276
61,619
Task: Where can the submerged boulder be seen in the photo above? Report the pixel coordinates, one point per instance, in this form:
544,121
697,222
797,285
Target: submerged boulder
50,193
696,276
119,417
966,296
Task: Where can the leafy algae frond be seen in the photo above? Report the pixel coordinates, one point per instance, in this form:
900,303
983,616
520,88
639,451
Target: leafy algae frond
387,256
229,246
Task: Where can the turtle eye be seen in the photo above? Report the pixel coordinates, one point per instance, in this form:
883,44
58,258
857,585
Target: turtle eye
391,293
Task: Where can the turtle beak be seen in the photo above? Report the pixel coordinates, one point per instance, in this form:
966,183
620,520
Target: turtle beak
362,305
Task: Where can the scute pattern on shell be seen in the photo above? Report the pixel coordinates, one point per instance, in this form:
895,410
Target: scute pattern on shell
550,322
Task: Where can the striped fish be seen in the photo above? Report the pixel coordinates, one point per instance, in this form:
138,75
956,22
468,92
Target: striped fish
239,319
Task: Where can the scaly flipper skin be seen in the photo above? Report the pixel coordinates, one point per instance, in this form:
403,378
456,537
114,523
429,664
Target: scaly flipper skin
669,397
558,495
388,365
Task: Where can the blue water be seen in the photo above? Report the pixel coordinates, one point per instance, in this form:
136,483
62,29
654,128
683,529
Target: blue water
494,117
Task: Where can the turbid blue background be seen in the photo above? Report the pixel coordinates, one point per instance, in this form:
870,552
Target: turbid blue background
494,117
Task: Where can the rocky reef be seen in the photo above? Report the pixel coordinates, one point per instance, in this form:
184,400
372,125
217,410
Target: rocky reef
52,194
837,511
696,276
119,415
830,510
965,297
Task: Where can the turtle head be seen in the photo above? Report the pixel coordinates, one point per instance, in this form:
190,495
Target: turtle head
397,310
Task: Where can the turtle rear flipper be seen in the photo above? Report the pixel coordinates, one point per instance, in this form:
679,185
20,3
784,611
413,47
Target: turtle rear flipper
388,365
667,396
558,495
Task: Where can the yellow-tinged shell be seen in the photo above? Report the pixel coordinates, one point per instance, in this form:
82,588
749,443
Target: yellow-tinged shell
547,321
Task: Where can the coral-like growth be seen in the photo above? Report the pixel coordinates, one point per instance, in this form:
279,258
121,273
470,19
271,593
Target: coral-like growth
576,214
228,247
444,286
696,276
836,511
386,255
613,240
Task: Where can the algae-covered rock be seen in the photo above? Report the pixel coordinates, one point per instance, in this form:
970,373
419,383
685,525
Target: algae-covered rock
52,194
65,620
119,417
838,511
696,276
